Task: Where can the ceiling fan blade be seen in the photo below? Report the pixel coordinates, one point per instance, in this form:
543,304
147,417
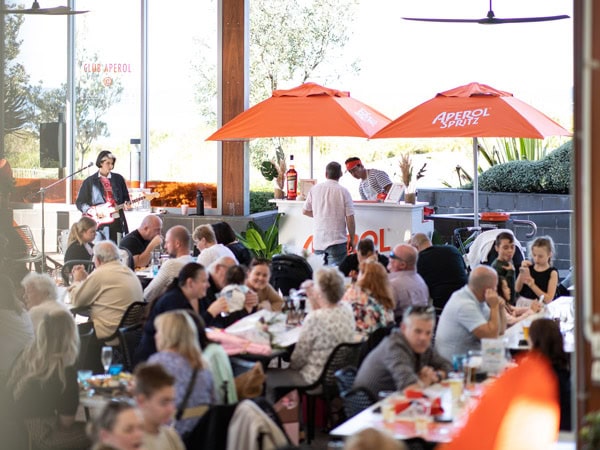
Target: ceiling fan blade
35,9
496,20
420,19
490,20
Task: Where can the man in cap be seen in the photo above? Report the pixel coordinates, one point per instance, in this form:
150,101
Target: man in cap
372,181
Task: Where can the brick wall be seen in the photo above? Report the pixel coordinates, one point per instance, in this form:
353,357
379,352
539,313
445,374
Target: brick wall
552,213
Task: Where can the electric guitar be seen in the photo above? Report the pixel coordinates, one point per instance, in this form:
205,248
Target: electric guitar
106,214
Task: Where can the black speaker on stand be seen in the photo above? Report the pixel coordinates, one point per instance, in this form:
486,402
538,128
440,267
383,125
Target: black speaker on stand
53,145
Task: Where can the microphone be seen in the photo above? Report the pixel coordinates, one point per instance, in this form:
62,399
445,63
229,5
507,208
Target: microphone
90,164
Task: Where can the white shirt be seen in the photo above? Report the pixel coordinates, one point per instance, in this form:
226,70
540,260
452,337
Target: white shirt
330,204
167,273
211,254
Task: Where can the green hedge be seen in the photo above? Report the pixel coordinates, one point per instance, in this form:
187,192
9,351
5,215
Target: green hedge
259,201
551,174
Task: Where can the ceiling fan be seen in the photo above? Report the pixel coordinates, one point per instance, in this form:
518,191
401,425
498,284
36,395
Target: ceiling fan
35,9
491,19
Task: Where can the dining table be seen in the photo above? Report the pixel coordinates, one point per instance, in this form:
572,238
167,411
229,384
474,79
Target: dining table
561,309
260,336
436,429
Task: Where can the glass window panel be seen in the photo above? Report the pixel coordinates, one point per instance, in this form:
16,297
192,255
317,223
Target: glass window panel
182,67
34,79
108,74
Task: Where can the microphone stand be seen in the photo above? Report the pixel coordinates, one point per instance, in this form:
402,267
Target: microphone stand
42,193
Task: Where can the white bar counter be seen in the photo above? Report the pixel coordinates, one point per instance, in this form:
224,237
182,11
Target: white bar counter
388,224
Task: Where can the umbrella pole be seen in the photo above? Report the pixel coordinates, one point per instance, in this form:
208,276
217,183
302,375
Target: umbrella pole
475,183
311,148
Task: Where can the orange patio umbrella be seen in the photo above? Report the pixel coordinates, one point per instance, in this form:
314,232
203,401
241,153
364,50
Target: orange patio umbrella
473,110
306,110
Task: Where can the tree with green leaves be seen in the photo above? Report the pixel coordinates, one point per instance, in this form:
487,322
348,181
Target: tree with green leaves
15,79
94,100
291,42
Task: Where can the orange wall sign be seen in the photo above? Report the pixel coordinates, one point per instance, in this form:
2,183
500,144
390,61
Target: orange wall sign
378,238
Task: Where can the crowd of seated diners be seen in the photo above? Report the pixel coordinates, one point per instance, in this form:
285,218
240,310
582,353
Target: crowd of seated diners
445,311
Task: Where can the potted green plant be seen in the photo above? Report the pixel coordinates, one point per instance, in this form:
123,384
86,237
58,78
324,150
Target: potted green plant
262,244
275,170
590,431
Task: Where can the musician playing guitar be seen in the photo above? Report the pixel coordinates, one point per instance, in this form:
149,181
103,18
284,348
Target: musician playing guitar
102,193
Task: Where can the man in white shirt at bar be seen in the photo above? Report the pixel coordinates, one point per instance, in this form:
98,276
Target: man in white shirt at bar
331,205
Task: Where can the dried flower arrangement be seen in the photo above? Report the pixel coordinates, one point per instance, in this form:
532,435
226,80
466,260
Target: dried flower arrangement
406,169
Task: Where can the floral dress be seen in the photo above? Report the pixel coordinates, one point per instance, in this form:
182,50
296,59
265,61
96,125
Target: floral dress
369,314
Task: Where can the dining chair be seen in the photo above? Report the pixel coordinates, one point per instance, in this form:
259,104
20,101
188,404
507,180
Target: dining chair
129,339
354,399
89,349
67,268
32,254
345,354
134,314
373,341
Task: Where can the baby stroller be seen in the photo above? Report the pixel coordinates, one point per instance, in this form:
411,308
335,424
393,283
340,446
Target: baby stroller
476,244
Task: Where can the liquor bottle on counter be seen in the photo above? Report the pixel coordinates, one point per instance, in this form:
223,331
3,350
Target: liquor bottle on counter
292,180
199,203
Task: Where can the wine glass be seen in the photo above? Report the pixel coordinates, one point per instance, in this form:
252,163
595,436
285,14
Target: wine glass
106,357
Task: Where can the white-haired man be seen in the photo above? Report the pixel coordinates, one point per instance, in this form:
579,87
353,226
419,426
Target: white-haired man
108,290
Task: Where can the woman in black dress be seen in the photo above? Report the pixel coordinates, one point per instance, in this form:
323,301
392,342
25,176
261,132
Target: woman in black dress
102,192
226,236
81,236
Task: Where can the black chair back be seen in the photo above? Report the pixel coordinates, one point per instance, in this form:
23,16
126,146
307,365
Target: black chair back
129,339
373,341
345,378
67,268
211,430
134,314
343,355
354,399
89,349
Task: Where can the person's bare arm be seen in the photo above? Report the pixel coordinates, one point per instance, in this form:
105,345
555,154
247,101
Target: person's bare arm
493,327
351,224
143,259
552,285
524,276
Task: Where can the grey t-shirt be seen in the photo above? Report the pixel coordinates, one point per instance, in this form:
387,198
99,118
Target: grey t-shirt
462,314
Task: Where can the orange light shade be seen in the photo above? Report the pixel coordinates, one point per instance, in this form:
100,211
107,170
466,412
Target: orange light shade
519,411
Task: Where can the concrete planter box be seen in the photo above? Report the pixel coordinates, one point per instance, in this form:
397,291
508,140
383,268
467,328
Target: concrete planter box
551,212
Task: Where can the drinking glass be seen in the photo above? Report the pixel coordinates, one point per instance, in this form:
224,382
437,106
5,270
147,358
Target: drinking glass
422,416
106,357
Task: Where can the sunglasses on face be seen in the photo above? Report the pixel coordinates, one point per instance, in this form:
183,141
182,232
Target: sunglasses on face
419,310
396,257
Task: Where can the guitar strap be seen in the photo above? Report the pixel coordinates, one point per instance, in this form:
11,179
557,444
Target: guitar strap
110,198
